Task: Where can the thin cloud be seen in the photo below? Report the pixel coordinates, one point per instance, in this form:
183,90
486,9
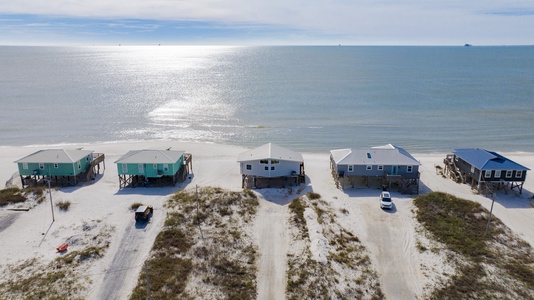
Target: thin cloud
353,22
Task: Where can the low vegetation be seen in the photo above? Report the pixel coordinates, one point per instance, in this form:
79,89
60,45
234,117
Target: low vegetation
61,278
203,251
348,271
63,205
496,265
11,195
14,195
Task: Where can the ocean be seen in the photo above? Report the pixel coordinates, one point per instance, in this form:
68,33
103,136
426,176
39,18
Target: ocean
307,98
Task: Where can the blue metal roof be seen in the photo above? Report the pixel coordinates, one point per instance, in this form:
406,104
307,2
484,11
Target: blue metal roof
487,160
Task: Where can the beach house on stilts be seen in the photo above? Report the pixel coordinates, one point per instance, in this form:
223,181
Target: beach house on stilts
271,166
60,166
153,167
485,170
383,166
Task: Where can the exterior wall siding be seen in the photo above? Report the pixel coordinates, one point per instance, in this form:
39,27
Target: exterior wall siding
283,168
361,170
466,167
149,171
63,169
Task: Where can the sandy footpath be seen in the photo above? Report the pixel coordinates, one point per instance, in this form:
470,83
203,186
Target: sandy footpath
390,236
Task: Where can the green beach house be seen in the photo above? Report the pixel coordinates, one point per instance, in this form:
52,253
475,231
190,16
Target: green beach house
65,167
153,167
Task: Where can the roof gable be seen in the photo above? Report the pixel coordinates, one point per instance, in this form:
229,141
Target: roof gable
270,151
380,155
55,156
487,160
150,157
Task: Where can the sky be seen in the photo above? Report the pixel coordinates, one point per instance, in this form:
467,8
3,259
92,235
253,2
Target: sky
267,22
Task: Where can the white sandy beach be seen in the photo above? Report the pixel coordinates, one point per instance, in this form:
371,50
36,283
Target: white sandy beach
389,236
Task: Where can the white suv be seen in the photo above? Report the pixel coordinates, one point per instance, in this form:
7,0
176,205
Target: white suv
385,200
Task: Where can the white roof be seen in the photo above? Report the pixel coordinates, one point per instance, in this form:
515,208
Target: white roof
270,151
380,155
55,156
150,157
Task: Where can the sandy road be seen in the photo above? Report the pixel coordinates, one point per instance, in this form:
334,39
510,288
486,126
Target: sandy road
127,259
391,239
270,229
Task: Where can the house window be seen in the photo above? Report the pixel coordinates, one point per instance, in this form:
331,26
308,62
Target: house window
249,167
380,168
272,168
409,169
56,165
79,165
518,174
25,166
165,168
266,168
509,174
141,168
41,166
275,161
87,158
124,168
369,167
350,168
487,174
497,174
155,166
264,161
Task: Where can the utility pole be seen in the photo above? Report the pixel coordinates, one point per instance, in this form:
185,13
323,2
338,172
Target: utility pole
50,193
491,211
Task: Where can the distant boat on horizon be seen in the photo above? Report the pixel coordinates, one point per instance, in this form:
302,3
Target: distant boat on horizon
467,45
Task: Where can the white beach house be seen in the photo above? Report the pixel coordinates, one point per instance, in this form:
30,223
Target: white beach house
271,165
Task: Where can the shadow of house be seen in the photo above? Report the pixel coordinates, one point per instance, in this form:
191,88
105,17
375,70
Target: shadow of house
59,167
153,168
484,170
271,166
386,166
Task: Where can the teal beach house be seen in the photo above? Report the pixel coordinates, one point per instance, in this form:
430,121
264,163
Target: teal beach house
153,167
60,166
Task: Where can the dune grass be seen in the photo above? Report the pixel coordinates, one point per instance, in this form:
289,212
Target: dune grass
202,252
498,265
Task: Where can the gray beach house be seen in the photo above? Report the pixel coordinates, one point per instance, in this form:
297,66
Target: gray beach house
484,169
383,166
271,166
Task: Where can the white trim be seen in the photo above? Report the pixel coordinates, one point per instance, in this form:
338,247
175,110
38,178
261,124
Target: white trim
56,166
350,168
25,166
380,168
509,173
409,169
165,167
518,174
369,167
497,174
487,174
41,166
124,168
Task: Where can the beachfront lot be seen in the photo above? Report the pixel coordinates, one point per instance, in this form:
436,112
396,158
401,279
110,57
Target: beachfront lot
390,236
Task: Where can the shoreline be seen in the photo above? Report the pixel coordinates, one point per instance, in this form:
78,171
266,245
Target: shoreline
102,205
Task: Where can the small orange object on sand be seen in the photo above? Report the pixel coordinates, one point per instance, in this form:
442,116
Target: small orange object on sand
62,248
